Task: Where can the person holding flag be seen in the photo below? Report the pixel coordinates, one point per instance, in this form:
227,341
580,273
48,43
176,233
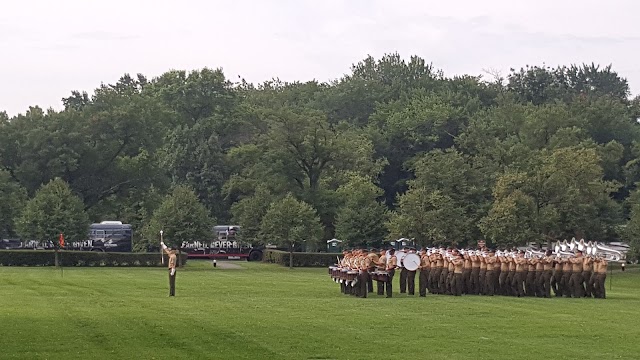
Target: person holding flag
171,252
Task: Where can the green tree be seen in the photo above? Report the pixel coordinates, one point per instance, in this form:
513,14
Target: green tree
290,222
562,194
361,218
54,210
428,217
249,211
631,232
13,198
181,217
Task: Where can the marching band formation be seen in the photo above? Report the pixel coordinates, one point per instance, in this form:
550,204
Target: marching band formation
573,270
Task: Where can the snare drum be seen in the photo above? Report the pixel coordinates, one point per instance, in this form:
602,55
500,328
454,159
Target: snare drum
382,276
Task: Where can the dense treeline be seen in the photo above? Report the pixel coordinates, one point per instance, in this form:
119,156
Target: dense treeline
394,148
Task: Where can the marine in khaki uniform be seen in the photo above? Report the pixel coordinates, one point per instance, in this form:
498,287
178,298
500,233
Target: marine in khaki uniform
475,274
363,273
575,281
466,274
530,282
425,267
587,270
556,280
539,264
456,281
171,252
482,274
511,277
504,272
547,271
496,274
449,279
373,257
566,275
436,268
490,281
403,274
519,276
600,269
382,266
444,274
391,269
411,277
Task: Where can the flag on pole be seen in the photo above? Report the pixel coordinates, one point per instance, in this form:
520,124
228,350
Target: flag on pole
61,240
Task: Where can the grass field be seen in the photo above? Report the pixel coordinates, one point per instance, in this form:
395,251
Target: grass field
268,312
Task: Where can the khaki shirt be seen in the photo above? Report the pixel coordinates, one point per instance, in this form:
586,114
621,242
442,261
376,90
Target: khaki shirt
172,258
393,262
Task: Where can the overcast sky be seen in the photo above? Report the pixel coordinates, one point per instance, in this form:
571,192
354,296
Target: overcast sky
49,48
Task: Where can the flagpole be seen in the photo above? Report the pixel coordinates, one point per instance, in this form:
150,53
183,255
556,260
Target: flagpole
161,241
61,243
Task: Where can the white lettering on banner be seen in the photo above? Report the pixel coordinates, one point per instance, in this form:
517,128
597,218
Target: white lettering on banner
212,245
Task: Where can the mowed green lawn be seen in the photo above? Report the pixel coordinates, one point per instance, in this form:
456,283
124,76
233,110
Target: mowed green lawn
269,312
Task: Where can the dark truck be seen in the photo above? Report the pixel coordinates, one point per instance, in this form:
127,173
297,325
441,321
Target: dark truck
107,236
225,244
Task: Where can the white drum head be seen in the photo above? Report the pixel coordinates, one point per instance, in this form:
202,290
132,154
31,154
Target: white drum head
399,256
411,262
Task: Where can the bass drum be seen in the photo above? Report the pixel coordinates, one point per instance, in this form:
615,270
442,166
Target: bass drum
412,262
400,256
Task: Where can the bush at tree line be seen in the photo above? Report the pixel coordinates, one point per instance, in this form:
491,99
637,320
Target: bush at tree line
82,258
300,259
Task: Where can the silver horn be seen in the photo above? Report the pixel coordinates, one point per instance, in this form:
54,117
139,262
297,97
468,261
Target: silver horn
608,253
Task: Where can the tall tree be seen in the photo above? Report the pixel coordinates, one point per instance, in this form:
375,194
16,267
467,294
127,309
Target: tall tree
361,217
54,210
290,222
13,198
181,217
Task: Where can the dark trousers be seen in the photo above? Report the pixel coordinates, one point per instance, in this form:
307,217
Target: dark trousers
586,276
564,283
509,284
456,284
466,281
442,282
599,285
490,283
530,283
544,283
575,284
496,280
537,283
423,281
503,283
592,284
172,283
380,289
411,282
435,280
475,278
403,280
556,282
363,284
389,283
518,282
482,281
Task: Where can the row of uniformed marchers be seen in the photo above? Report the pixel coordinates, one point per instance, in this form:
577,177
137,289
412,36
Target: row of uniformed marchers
472,272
